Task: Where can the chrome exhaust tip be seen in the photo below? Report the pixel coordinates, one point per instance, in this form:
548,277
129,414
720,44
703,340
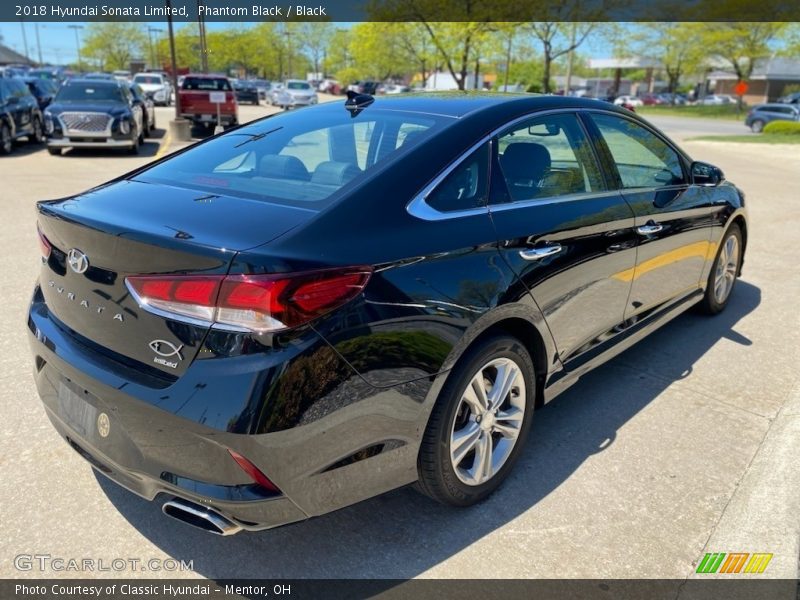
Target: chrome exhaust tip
202,518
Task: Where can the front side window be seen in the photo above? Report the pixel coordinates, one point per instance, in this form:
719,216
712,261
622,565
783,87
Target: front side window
643,159
547,156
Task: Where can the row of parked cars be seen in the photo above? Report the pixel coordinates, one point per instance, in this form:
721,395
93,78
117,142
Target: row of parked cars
93,111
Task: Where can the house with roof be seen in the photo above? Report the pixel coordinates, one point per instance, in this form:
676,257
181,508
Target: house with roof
770,78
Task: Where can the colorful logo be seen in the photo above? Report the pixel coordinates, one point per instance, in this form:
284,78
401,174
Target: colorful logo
734,562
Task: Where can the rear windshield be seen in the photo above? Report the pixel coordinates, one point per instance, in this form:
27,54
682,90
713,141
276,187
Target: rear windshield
298,85
96,92
147,79
301,158
214,84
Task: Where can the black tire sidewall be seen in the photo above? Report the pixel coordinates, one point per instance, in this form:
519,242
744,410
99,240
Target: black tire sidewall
6,143
449,485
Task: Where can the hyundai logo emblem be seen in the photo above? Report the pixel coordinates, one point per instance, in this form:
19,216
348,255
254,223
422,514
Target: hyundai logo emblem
77,261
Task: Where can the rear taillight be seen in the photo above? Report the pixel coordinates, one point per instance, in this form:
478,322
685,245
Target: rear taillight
253,472
44,244
259,303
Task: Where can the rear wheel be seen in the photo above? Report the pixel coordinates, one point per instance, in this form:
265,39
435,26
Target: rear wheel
479,424
757,126
54,151
6,143
724,272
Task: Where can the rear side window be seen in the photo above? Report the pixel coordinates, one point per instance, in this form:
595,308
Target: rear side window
212,84
300,158
642,158
466,186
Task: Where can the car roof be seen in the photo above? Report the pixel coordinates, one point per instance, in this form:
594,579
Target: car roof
460,104
206,76
95,82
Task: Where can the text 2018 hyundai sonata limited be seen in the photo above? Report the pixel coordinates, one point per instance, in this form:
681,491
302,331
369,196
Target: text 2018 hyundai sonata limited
321,306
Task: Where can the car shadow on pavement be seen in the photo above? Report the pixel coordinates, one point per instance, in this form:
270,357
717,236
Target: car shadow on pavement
402,534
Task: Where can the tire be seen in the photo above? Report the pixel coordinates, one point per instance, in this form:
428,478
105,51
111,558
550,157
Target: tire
6,143
54,151
451,474
757,126
37,137
726,266
146,124
136,143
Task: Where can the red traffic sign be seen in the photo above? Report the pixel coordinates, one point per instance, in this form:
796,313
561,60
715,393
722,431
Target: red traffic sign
741,88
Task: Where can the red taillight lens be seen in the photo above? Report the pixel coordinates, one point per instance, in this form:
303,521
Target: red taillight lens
188,296
44,244
253,472
259,303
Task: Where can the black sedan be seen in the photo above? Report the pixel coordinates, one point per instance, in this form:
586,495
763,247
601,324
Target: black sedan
318,307
94,113
246,91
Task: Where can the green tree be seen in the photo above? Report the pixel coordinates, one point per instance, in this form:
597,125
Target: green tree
557,39
316,37
739,44
113,45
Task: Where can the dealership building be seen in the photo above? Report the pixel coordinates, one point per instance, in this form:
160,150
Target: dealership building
768,82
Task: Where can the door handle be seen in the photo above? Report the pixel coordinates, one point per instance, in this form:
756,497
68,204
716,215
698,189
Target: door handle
649,229
540,252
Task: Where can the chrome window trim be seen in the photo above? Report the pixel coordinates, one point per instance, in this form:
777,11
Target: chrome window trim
418,206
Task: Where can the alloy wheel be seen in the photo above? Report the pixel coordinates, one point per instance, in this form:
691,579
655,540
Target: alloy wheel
727,267
487,421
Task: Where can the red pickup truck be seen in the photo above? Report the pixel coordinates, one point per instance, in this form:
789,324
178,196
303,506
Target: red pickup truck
199,96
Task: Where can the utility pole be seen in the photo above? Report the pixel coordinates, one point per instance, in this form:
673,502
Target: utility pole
77,28
201,24
38,42
155,57
24,39
289,35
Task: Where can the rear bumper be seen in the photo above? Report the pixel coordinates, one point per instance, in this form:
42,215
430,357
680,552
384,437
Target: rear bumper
211,118
173,441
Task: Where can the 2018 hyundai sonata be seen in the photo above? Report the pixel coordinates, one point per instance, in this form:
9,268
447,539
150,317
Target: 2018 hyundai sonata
318,307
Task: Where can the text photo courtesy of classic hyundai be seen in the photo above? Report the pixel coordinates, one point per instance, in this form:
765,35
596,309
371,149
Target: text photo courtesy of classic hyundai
320,306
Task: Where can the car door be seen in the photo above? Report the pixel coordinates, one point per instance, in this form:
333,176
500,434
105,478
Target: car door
19,107
568,237
673,219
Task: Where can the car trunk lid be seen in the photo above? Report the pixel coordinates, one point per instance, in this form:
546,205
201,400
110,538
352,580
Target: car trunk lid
131,228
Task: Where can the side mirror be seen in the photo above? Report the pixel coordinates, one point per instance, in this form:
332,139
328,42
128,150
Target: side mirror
706,174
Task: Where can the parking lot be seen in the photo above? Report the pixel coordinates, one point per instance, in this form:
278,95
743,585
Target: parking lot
685,444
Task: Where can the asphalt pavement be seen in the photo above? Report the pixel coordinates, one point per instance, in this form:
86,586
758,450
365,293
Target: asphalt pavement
685,444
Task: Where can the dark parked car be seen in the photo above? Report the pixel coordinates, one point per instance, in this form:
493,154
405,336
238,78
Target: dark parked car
761,114
19,114
94,113
246,91
790,98
317,307
44,90
148,106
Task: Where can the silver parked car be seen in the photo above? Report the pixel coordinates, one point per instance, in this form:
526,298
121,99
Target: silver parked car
293,93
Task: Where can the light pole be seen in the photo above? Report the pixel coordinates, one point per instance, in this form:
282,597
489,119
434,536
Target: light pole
24,39
201,24
289,35
154,57
77,28
179,127
38,42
